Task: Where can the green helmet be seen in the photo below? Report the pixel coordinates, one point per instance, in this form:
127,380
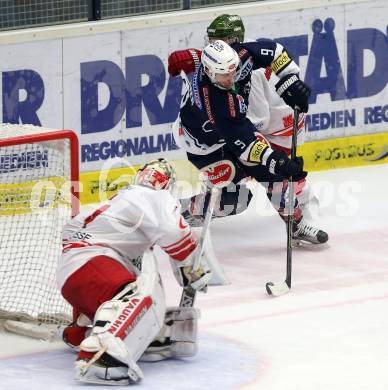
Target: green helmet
229,28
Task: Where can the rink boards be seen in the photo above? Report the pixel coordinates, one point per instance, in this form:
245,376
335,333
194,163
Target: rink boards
108,81
371,149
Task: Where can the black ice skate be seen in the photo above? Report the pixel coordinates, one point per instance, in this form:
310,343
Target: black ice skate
302,231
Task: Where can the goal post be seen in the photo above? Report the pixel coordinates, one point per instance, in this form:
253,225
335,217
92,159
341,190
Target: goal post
39,179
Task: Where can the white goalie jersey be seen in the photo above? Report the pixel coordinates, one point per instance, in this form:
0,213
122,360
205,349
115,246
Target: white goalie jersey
124,228
271,116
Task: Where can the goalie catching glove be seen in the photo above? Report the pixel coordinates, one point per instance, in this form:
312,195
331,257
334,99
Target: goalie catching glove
294,92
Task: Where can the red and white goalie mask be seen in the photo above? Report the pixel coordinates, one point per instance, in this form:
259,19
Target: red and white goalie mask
156,174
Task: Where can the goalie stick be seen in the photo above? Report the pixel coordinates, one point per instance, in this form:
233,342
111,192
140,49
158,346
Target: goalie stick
189,293
283,288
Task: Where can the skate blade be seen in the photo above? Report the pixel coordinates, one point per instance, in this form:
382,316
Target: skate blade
296,243
155,356
98,381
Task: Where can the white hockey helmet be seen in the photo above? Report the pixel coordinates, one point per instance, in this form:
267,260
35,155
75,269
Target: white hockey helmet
219,58
157,174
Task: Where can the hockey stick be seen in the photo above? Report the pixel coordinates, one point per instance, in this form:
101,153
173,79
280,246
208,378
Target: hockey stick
283,288
189,293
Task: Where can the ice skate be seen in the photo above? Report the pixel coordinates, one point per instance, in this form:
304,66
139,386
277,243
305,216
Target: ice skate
105,370
303,232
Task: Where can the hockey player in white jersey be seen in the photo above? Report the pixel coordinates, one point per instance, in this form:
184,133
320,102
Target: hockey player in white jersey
102,275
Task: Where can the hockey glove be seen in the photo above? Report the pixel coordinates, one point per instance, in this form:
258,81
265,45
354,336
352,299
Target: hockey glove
294,92
198,279
186,60
279,164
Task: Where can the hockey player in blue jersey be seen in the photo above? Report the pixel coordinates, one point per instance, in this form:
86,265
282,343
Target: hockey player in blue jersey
219,139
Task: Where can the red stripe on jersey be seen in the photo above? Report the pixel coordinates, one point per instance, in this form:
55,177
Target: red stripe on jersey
94,215
174,251
183,254
268,72
287,131
232,110
168,247
182,223
79,244
205,91
73,245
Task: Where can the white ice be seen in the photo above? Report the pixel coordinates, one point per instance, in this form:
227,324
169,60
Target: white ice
329,332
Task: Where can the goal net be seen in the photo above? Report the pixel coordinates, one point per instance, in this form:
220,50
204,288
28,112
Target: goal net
38,194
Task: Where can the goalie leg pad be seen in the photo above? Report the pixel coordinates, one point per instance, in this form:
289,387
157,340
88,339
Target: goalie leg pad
123,328
178,337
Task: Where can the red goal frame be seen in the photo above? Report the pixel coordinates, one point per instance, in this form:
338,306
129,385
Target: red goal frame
74,156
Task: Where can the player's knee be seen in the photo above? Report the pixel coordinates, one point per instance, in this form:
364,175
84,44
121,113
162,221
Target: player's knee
235,199
300,185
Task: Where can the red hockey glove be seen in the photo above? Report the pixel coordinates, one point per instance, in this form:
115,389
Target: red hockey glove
186,60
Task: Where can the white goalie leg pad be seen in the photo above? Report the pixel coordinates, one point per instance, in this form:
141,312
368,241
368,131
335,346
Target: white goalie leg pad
125,326
178,337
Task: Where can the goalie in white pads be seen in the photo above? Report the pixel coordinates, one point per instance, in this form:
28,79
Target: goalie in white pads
102,275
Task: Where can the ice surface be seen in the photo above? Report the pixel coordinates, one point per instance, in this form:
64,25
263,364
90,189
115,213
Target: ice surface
328,333
53,370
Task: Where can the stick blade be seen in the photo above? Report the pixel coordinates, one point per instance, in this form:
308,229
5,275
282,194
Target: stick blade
277,289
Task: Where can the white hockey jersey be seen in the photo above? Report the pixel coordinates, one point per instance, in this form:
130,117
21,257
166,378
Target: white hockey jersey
124,228
269,114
